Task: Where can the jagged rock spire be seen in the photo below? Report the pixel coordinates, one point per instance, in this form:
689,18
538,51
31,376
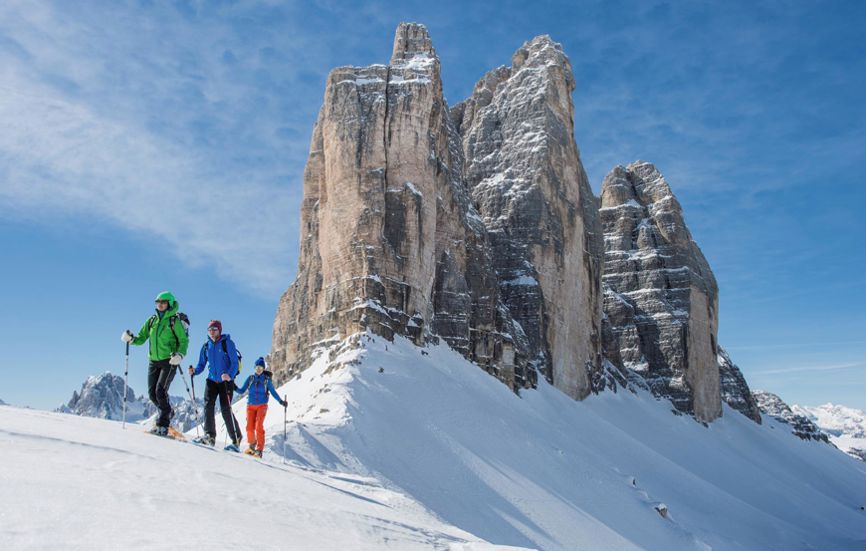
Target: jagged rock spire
661,298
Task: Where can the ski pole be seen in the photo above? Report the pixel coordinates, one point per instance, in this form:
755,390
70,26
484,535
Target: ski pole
194,405
285,422
125,383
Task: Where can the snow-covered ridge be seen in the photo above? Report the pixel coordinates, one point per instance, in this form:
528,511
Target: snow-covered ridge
541,470
845,426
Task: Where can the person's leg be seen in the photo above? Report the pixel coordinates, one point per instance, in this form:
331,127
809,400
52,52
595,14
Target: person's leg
166,375
152,378
260,426
226,409
230,392
251,425
210,397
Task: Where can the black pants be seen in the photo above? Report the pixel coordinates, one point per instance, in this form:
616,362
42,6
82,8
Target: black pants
223,391
159,377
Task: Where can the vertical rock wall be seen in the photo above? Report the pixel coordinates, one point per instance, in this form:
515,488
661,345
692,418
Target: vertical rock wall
389,239
526,179
661,298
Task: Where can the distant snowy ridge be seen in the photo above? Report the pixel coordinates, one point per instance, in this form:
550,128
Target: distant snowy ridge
845,426
101,396
543,471
770,404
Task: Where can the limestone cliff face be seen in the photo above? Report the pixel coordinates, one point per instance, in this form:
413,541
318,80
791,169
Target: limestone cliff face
526,179
735,390
661,298
390,241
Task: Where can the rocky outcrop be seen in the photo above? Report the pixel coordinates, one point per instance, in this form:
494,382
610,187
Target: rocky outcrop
527,181
390,241
770,404
735,390
661,298
474,225
101,396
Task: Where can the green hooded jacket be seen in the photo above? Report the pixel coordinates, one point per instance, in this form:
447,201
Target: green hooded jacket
162,340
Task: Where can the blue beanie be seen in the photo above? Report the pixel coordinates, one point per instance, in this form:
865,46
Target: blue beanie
261,362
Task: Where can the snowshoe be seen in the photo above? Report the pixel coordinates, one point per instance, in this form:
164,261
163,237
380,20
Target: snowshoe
232,448
250,451
159,431
176,434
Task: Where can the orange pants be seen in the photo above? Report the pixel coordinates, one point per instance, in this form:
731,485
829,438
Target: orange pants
256,425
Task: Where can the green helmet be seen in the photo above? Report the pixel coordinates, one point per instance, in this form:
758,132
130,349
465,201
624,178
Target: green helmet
165,295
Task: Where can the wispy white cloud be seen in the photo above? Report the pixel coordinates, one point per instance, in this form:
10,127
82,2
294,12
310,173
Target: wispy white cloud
805,369
139,119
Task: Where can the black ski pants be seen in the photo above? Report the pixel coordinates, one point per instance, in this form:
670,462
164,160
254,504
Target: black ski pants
223,392
159,377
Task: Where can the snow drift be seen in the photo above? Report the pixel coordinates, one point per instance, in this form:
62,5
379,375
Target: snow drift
542,470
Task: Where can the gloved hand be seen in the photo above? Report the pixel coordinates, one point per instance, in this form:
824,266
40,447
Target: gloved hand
284,403
225,377
176,358
127,336
191,371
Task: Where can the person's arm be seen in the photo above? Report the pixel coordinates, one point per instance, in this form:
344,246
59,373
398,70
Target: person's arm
142,334
202,359
232,368
273,392
182,338
246,385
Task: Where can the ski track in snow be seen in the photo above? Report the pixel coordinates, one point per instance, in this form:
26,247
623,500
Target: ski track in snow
71,482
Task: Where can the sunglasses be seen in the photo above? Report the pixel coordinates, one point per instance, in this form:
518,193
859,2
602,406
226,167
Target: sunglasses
213,328
161,302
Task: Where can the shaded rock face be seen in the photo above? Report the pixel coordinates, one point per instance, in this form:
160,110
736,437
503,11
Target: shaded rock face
735,390
526,179
390,241
775,407
100,396
660,296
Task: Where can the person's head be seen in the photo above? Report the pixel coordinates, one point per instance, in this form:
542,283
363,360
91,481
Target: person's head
260,366
214,330
164,301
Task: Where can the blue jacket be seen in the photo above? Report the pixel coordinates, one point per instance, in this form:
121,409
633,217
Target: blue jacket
259,386
218,362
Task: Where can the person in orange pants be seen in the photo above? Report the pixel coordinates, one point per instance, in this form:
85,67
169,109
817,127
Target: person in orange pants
260,386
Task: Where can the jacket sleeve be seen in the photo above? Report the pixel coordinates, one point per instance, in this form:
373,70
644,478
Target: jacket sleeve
142,334
273,391
246,385
232,368
182,338
202,359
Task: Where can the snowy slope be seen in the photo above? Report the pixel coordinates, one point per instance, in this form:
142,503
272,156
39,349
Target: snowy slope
69,482
845,426
542,470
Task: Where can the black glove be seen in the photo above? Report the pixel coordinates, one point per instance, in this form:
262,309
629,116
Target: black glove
284,403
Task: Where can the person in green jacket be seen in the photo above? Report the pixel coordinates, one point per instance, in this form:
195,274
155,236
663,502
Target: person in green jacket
168,345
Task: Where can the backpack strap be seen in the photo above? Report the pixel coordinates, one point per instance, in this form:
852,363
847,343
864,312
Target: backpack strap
171,321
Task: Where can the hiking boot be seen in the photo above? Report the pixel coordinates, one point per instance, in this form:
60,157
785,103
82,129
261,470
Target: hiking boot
258,453
161,431
250,451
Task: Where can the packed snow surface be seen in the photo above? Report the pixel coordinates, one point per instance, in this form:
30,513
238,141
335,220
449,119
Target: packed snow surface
70,482
541,470
395,446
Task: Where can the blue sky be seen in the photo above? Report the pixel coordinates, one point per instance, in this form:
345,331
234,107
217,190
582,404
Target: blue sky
156,145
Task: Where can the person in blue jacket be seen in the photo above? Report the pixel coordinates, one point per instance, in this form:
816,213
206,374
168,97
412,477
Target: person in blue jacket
259,385
221,356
